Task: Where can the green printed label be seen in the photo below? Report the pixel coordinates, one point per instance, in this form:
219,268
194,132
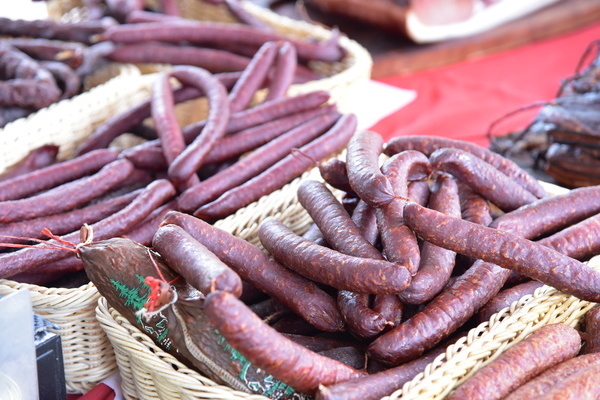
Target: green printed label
135,298
268,386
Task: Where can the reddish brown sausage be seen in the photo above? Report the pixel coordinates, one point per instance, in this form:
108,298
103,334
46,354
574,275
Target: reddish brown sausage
192,157
200,267
437,263
67,196
154,195
267,349
546,381
544,348
54,175
482,177
37,158
507,250
429,144
282,172
580,385
255,267
364,173
592,331
474,208
506,297
330,267
283,72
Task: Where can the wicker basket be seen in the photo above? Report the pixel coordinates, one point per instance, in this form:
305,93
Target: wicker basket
87,353
343,80
150,373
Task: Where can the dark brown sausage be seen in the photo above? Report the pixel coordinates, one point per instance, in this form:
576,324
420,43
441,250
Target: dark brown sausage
400,243
437,263
330,267
54,175
544,348
474,208
580,385
429,144
507,250
282,172
592,331
506,297
154,195
546,381
255,267
267,349
482,177
365,218
364,173
67,196
333,171
580,240
200,267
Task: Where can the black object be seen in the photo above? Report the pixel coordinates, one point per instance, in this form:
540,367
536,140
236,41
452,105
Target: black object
50,365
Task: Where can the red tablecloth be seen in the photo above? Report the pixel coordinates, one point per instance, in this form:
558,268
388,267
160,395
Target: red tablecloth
462,100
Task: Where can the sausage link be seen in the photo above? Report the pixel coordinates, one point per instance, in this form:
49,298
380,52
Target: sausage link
38,158
254,266
592,331
474,208
283,72
67,196
548,346
54,175
282,172
507,250
364,173
429,144
580,385
437,263
264,347
506,297
330,267
482,177
200,267
119,223
546,381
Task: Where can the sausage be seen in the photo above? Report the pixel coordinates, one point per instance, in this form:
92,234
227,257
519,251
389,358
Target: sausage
333,221
269,350
69,53
579,241
282,172
437,263
254,266
219,33
66,222
248,139
200,267
390,307
254,163
507,250
48,29
155,194
429,144
38,158
143,232
330,267
580,385
192,157
544,348
592,331
419,192
333,172
167,127
546,381
364,173
283,72
399,243
54,175
474,208
264,112
252,77
126,120
67,196
506,297
360,319
482,177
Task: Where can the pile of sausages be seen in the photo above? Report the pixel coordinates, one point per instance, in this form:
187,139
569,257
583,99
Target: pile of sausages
213,167
45,61
392,271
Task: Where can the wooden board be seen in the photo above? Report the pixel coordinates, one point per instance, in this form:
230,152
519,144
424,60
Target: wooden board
394,54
